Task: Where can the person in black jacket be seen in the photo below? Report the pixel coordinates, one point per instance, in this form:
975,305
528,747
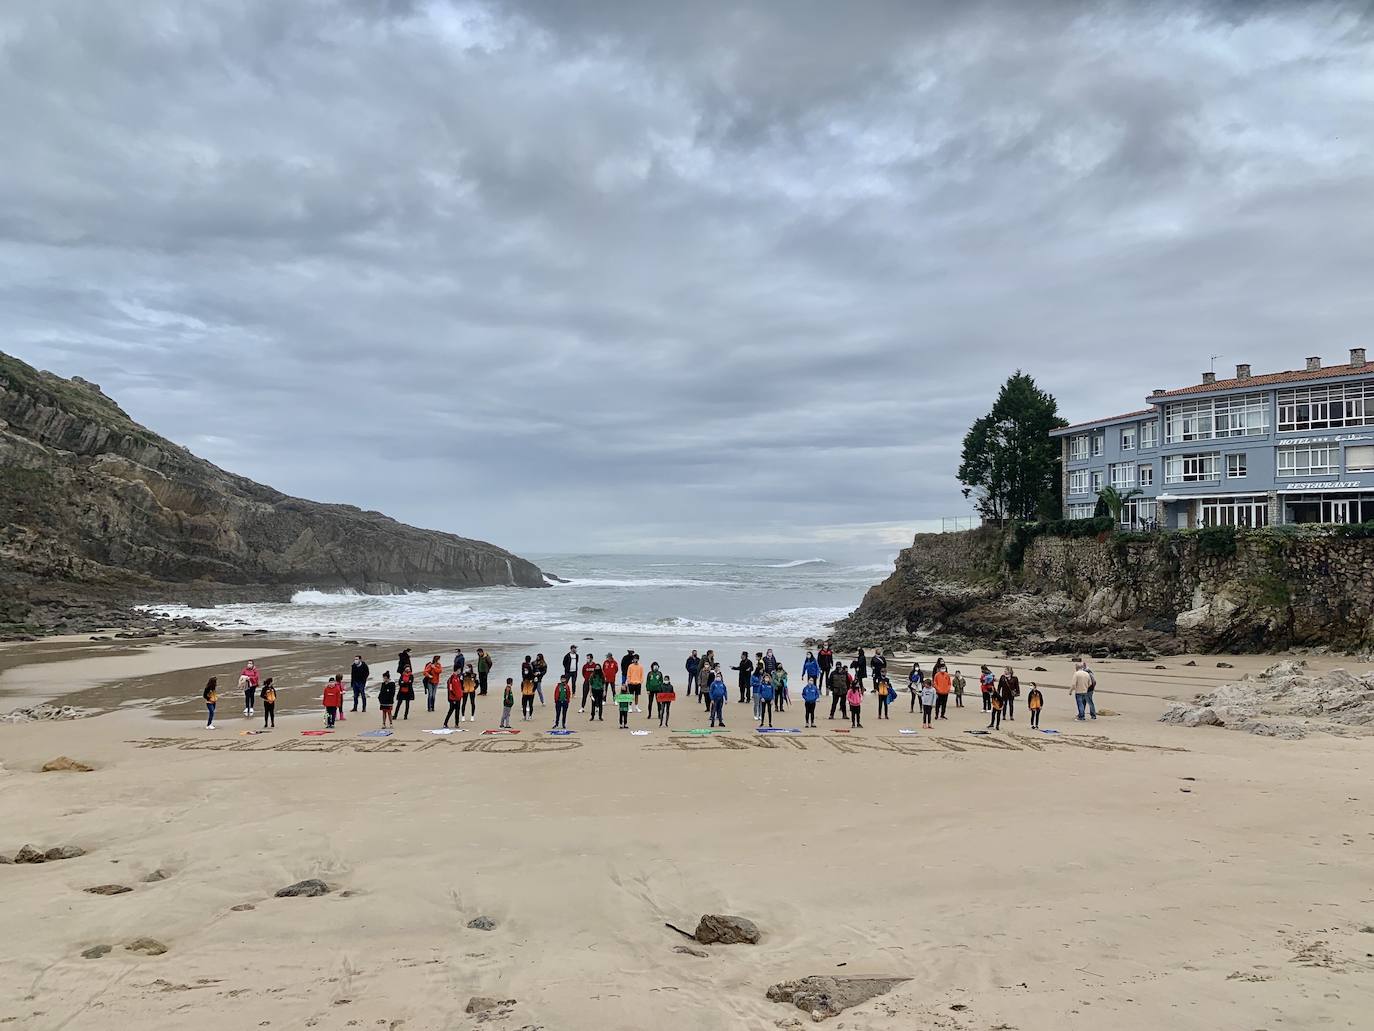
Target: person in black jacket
693,673
878,665
746,668
838,682
358,681
403,662
386,697
860,668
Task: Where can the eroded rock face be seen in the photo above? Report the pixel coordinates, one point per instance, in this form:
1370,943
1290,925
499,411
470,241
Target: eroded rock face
715,929
824,996
1284,701
152,515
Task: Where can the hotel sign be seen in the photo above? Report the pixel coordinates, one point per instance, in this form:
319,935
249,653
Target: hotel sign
1325,485
1339,438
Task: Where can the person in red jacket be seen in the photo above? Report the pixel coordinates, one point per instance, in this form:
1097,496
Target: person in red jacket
333,700
455,697
588,668
609,669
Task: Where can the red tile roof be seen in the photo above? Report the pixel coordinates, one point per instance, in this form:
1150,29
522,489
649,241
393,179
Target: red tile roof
1109,419
1293,376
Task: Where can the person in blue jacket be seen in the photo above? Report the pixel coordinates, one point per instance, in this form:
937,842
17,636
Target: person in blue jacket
810,695
718,693
755,683
763,698
811,668
914,684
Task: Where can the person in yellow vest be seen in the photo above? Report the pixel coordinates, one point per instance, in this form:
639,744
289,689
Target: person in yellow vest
527,698
269,704
634,680
211,696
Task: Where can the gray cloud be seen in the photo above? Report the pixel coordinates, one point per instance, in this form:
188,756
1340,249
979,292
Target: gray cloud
599,275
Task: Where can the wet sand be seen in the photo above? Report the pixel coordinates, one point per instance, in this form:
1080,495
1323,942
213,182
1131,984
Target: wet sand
1121,873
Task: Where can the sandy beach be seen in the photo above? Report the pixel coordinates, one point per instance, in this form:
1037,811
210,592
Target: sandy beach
1121,873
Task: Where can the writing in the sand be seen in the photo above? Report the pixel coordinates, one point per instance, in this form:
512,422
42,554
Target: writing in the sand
926,745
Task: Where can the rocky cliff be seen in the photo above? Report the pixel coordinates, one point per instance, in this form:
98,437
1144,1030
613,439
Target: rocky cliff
95,507
1251,591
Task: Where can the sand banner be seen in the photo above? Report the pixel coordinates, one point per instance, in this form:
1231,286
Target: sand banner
929,744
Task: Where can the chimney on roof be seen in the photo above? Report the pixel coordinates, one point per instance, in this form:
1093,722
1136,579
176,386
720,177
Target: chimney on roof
1357,357
1157,390
1313,364
1209,377
1243,371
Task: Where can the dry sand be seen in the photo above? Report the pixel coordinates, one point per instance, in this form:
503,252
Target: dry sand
1122,874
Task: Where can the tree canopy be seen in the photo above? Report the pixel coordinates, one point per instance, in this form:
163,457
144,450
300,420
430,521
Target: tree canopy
1010,464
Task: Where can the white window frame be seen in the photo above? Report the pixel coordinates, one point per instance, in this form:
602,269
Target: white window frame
1149,434
1081,511
1359,465
1237,458
1078,481
1078,448
1327,407
1211,418
1298,461
1145,475
1247,511
1095,481
1202,467
1123,475
1128,438
1099,444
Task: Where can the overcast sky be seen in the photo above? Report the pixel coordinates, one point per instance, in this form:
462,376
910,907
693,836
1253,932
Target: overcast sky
628,275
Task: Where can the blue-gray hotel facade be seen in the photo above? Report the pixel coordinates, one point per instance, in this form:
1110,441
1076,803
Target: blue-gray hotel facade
1284,447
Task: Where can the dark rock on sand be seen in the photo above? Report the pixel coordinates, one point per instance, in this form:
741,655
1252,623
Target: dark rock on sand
687,950
714,929
243,907
62,764
482,923
1225,665
95,952
155,876
63,852
307,889
824,996
1191,662
481,1004
146,946
29,854
108,889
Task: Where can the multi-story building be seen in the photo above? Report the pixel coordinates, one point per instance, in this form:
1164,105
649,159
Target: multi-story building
1287,447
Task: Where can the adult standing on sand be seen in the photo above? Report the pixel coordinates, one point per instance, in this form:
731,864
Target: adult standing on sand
634,680
985,684
588,668
811,669
211,696
434,673
877,664
405,691
1008,686
455,698
745,669
484,665
860,667
653,684
248,680
718,695
943,685
402,661
825,658
609,668
838,682
693,671
572,662
1081,688
358,678
469,694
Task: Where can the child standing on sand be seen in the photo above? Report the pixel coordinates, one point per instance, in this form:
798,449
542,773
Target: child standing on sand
763,699
622,702
666,697
1035,701
527,698
386,697
884,687
995,701
333,700
211,696
269,704
958,689
810,695
855,698
405,691
927,705
507,703
455,698
469,694
562,698
596,684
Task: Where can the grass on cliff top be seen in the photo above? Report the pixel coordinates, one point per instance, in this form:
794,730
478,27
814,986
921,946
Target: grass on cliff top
53,391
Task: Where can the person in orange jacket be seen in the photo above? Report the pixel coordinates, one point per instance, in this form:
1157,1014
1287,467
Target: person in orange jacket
434,673
333,700
470,683
455,697
943,684
634,680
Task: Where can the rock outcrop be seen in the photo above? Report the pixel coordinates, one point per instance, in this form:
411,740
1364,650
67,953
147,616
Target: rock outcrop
825,996
97,512
1284,701
1121,594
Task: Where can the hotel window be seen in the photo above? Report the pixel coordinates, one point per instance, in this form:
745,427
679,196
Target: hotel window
1245,416
1099,444
1359,459
1235,466
1309,460
1095,480
1242,511
1128,439
1192,468
1138,513
1081,511
1146,476
1322,408
1123,475
1149,434
1078,481
1078,448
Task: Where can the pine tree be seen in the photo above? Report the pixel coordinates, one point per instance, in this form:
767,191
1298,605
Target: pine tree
1010,464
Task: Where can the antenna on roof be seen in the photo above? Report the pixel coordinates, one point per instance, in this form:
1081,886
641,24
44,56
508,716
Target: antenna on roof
1214,362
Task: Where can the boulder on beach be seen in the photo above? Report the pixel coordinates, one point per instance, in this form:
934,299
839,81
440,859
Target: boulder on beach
481,1005
307,889
63,852
482,923
146,947
716,929
108,889
825,996
155,876
62,764
95,952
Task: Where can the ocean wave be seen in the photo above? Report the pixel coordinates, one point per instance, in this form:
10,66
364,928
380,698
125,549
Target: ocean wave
876,567
343,597
795,563
651,581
